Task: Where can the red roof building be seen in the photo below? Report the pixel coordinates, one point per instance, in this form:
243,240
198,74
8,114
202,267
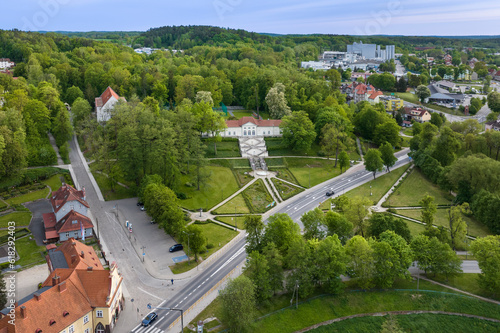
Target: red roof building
249,126
105,103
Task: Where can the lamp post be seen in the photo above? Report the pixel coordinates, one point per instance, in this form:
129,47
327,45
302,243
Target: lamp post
171,309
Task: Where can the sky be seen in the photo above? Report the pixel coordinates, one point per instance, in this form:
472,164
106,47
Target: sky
353,17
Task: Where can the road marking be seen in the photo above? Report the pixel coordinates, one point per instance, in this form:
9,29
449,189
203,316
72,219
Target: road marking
136,327
144,291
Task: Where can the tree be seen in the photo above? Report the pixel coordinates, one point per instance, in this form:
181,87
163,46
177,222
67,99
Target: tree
387,132
387,155
282,231
313,222
257,270
194,236
238,304
275,267
486,250
72,94
447,145
255,229
458,227
435,257
298,131
276,102
422,92
333,140
333,76
357,211
402,85
379,223
367,120
331,259
494,101
61,127
391,325
204,96
337,224
392,258
436,119
429,208
373,161
344,161
360,265
80,110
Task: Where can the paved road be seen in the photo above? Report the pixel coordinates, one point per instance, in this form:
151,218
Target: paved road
195,289
300,205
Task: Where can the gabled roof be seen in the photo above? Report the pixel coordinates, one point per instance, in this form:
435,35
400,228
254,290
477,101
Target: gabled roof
258,122
73,221
79,255
105,97
375,94
67,193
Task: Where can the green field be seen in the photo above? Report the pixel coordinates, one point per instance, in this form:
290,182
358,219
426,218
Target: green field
243,176
217,236
379,186
311,171
31,196
226,148
242,113
235,221
236,205
257,197
286,190
120,192
408,131
425,323
415,228
220,185
275,147
54,182
476,228
29,252
413,188
409,97
466,282
21,219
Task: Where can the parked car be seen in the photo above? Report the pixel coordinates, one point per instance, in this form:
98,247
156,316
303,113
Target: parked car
176,247
149,319
143,208
140,203
153,222
330,193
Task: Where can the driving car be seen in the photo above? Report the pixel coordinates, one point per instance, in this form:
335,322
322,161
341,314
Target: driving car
176,247
330,193
149,319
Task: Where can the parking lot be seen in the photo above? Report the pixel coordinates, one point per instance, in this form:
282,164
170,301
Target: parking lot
145,238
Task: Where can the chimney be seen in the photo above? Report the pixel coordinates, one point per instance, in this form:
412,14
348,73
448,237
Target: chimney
55,280
83,190
82,254
90,269
24,312
62,286
38,296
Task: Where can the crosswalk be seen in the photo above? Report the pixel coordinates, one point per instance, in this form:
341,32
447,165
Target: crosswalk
149,329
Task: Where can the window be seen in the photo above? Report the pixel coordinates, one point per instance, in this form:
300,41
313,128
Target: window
86,319
87,330
99,328
67,235
71,329
99,314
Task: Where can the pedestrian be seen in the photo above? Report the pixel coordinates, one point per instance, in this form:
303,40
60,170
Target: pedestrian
172,281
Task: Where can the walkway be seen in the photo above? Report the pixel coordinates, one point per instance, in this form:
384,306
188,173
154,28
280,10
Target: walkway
56,149
358,143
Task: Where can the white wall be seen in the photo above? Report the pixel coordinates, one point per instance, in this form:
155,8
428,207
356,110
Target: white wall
75,205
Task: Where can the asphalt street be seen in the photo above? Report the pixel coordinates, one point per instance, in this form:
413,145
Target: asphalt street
295,208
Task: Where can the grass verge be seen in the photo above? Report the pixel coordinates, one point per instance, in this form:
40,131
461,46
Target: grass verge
286,190
21,219
236,205
310,172
54,182
29,252
234,221
257,197
119,192
31,196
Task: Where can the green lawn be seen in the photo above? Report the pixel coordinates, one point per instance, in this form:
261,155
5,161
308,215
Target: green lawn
220,185
415,228
466,282
120,192
54,182
217,236
408,131
275,147
476,228
21,219
311,171
236,205
286,190
425,322
243,113
409,97
243,176
285,174
379,186
29,252
413,188
2,205
258,198
225,148
405,141
31,196
235,221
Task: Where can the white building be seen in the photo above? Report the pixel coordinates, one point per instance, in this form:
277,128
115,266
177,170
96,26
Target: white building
105,103
6,63
249,126
372,51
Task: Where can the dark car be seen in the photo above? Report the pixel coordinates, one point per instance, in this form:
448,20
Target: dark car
153,222
330,193
149,319
140,203
176,247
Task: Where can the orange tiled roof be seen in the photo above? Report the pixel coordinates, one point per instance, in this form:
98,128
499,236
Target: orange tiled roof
106,95
67,193
258,122
375,94
73,250
66,224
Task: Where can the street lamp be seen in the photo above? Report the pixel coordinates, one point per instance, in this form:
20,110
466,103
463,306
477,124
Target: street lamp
171,309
